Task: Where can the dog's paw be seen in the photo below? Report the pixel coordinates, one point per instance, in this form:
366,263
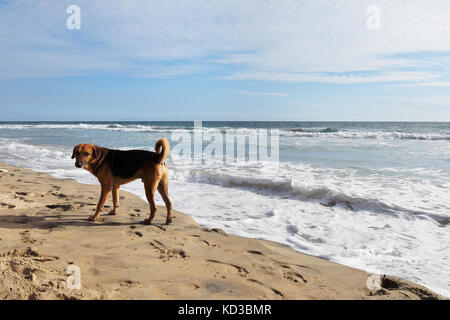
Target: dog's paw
147,221
112,213
92,218
168,221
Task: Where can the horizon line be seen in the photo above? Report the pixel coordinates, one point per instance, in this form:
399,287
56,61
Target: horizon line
367,121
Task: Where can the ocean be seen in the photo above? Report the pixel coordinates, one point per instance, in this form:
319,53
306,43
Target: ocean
370,195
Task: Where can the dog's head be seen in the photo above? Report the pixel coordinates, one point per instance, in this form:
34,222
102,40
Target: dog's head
86,155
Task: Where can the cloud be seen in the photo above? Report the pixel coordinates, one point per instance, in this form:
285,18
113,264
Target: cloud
274,40
333,78
276,94
425,84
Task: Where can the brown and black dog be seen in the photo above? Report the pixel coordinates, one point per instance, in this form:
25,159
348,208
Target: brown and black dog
116,167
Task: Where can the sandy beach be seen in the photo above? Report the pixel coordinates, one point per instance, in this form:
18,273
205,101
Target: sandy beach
44,229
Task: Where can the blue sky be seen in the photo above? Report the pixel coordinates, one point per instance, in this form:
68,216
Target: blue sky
225,60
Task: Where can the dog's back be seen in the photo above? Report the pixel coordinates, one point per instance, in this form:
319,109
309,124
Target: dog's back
126,164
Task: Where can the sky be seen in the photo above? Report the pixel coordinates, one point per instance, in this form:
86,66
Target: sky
306,60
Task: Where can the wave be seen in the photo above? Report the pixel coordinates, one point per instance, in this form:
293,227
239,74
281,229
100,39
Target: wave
87,126
314,130
385,135
326,196
318,132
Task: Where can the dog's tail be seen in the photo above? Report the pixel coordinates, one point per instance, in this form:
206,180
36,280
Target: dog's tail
162,148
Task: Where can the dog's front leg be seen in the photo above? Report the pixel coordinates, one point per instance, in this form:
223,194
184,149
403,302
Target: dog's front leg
101,202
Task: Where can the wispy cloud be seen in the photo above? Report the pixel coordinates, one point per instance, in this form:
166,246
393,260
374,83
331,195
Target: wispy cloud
334,78
276,94
425,84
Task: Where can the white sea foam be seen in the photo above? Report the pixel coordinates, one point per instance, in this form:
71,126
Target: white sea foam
382,223
312,132
354,134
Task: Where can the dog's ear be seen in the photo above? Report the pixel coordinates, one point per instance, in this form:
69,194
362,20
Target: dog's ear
97,153
73,152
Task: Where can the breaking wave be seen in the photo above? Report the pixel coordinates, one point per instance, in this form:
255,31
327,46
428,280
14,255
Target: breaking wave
320,132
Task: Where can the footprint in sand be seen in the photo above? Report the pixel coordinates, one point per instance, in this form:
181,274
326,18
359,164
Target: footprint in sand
287,271
167,254
243,272
216,230
294,277
255,252
277,292
9,206
27,252
290,266
136,213
16,200
134,234
59,195
203,241
26,238
127,283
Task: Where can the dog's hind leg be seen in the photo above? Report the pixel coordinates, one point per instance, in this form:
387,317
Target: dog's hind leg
115,194
150,188
106,188
163,187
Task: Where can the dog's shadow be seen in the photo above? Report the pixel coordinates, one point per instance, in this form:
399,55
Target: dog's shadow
52,222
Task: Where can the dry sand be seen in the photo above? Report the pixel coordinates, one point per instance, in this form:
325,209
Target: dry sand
44,229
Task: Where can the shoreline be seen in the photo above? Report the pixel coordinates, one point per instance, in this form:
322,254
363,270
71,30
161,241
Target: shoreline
44,229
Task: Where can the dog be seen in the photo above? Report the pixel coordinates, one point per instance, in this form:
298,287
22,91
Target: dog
114,168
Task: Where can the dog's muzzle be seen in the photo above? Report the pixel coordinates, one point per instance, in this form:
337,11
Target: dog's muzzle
79,165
